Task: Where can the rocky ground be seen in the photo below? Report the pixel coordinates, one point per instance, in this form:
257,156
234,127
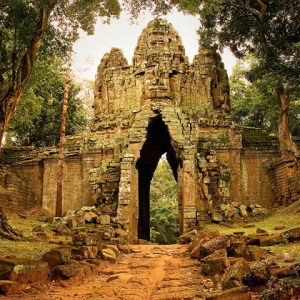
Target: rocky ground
258,259
148,272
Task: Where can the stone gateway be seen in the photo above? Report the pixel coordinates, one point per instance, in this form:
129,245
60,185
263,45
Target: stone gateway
161,104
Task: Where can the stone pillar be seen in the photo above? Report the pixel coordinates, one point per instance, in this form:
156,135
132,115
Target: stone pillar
49,185
236,165
189,190
124,204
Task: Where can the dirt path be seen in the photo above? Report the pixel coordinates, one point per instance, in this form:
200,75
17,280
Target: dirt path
148,272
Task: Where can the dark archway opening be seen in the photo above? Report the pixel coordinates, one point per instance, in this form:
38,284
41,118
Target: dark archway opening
158,142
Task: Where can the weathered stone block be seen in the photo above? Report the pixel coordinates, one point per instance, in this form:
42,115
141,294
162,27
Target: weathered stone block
103,219
85,251
90,217
235,274
71,270
109,254
215,263
23,270
56,257
212,245
273,239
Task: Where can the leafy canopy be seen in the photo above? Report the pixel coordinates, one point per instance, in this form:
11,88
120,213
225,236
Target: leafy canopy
268,29
253,101
37,118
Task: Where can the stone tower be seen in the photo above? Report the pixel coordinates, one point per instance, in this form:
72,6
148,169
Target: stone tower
162,104
161,73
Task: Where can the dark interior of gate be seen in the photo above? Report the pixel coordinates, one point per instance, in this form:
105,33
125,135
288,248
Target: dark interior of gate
158,142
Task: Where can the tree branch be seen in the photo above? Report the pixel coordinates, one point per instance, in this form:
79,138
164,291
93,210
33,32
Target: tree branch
263,8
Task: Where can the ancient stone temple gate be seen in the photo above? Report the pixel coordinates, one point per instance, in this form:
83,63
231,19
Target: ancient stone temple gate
159,104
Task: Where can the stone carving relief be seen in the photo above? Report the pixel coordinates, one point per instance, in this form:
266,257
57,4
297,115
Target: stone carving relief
161,73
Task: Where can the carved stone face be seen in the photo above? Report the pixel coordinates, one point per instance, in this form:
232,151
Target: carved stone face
157,82
159,52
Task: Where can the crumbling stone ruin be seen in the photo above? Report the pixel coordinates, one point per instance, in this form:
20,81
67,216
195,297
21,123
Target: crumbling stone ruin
160,104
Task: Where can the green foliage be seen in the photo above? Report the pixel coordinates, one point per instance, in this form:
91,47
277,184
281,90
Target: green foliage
163,205
164,222
163,184
37,119
268,29
254,103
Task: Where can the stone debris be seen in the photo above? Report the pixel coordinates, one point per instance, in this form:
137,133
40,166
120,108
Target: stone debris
235,274
236,264
215,263
237,212
212,245
90,217
292,235
74,269
109,254
60,227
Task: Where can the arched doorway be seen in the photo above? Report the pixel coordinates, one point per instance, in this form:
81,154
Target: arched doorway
158,142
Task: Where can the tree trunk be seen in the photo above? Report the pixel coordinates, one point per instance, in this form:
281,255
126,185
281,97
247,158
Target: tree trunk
10,97
60,167
287,146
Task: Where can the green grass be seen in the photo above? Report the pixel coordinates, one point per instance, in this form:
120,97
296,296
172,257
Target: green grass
287,216
24,249
278,217
284,251
32,246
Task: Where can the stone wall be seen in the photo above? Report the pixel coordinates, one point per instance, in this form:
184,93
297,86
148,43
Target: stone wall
225,172
285,179
14,193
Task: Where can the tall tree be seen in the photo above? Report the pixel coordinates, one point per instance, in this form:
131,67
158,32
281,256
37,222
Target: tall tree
60,166
29,27
269,29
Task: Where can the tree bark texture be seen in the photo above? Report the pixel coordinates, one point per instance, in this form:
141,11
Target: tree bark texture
288,148
60,167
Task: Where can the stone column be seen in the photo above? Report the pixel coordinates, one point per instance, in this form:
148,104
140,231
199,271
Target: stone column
124,203
189,189
49,185
236,166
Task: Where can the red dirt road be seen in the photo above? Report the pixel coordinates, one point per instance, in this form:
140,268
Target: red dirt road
148,272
